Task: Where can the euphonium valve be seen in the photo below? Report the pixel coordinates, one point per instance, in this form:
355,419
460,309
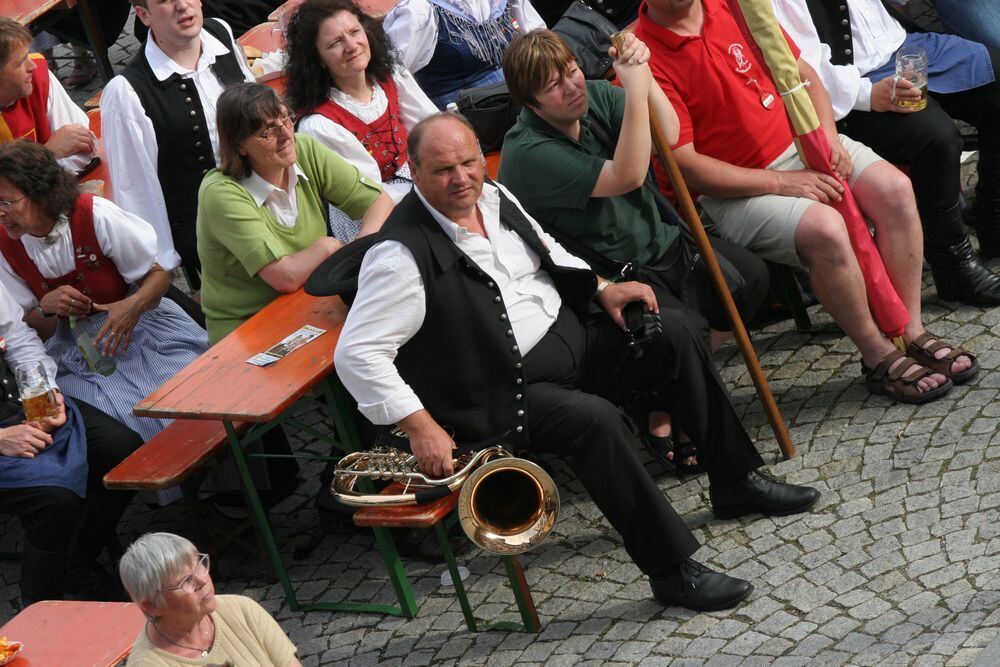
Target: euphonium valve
507,505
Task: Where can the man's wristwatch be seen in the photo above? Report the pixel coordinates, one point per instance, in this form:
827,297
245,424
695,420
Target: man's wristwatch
601,286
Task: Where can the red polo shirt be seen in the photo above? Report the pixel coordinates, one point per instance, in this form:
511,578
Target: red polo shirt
707,78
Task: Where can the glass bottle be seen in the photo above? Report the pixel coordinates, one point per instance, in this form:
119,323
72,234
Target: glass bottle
84,333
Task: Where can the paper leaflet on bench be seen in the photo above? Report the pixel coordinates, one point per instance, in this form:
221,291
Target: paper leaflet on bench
287,345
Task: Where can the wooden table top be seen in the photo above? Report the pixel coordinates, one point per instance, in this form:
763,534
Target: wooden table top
74,634
221,385
26,11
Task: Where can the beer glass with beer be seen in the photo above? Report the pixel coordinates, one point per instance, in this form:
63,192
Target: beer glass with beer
911,64
38,396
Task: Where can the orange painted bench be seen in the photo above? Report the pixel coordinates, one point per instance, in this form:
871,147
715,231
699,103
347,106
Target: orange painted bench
171,456
61,632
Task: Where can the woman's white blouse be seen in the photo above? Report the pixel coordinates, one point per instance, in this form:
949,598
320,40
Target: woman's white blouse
126,239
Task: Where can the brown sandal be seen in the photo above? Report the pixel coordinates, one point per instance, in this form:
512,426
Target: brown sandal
897,386
919,349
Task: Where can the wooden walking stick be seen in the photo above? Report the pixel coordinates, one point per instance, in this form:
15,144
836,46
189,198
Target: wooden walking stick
690,215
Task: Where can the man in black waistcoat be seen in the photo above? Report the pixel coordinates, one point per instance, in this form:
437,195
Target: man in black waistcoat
852,45
158,122
51,475
470,323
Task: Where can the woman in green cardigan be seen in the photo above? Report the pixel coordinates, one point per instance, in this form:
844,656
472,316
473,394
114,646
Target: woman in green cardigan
261,214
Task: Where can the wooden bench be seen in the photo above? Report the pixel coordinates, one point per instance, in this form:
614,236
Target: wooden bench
61,632
179,455
438,515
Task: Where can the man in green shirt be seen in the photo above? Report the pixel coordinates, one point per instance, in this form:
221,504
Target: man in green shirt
578,158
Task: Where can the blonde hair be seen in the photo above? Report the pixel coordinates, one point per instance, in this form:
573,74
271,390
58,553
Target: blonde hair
530,61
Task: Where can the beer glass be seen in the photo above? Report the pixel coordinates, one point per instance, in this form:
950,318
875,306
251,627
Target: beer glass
911,64
38,396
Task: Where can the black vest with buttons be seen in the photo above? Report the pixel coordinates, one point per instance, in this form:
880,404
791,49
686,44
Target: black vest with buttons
10,402
833,24
464,362
184,148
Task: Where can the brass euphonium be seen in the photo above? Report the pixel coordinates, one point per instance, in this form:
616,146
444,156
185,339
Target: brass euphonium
507,505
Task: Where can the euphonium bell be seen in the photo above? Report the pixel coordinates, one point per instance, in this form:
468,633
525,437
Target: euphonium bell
507,505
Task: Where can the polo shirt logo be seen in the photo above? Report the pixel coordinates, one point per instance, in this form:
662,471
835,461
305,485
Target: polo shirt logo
742,64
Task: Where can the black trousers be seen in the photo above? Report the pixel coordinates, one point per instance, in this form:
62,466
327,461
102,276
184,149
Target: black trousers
928,141
578,374
58,524
708,313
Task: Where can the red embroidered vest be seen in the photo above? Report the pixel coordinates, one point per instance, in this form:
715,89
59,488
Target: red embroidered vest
26,118
95,275
385,138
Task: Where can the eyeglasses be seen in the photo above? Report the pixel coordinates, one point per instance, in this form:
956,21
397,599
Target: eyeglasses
284,122
6,205
189,583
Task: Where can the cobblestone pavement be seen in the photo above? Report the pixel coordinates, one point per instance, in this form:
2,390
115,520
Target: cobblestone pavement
896,566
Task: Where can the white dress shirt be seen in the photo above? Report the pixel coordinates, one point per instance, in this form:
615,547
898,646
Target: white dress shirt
61,110
130,141
22,343
127,240
390,306
876,37
413,30
414,106
281,203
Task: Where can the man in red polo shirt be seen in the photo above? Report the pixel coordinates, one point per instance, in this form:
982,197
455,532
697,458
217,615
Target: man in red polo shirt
735,149
35,106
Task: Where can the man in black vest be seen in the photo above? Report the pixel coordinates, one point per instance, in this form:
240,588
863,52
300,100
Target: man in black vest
51,475
158,122
469,318
852,45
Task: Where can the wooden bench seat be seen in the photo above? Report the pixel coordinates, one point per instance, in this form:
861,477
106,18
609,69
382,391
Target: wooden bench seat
171,456
406,516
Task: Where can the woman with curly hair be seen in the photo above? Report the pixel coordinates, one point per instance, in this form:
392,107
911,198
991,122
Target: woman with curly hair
349,93
68,256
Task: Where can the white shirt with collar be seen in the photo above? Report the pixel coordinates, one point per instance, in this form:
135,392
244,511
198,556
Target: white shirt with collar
279,202
876,37
390,306
412,28
130,141
61,110
22,344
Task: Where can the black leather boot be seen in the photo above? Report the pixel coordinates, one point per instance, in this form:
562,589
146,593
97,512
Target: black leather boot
43,575
958,274
985,210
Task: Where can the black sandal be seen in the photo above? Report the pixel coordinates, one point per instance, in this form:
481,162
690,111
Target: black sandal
659,446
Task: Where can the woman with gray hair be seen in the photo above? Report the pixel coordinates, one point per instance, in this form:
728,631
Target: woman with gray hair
187,624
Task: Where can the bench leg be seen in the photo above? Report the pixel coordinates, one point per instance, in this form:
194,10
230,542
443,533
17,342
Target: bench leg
396,571
522,593
456,578
262,527
790,290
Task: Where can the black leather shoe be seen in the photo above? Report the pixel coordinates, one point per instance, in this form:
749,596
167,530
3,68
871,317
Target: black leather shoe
960,276
763,494
694,586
